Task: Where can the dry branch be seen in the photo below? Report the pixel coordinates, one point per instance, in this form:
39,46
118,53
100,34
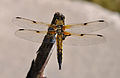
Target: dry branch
38,65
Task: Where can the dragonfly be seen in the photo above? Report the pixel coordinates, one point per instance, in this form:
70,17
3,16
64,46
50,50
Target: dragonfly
73,34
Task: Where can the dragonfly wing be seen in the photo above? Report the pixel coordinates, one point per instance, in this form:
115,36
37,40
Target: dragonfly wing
84,39
31,35
87,27
30,24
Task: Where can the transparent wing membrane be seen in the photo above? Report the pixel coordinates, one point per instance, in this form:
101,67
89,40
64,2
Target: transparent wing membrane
84,39
31,35
86,27
30,24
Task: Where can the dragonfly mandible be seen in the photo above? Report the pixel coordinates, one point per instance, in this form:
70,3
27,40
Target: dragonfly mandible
74,34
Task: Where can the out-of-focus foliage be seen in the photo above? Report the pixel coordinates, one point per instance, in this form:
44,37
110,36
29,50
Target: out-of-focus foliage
113,5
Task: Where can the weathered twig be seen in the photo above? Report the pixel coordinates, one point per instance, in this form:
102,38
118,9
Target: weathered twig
38,65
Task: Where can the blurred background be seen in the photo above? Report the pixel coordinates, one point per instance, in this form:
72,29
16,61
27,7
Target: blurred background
95,61
109,4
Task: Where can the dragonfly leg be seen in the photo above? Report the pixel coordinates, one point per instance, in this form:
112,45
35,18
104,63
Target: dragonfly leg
64,36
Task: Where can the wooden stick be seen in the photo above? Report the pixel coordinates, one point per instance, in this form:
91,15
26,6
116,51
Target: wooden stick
38,65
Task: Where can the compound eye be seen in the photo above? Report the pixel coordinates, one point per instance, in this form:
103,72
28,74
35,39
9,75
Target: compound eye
62,17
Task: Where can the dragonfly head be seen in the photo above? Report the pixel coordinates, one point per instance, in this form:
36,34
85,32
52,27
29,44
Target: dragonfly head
59,22
59,15
58,19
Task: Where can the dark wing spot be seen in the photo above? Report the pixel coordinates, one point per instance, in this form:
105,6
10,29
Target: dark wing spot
85,23
81,34
34,21
21,29
100,35
18,17
101,20
37,31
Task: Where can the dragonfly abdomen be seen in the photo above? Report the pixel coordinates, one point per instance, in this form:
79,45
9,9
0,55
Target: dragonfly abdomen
59,57
59,50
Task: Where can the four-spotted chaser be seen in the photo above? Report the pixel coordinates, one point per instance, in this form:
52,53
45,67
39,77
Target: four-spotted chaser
74,34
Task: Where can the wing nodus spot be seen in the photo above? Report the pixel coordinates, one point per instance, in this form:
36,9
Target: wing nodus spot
21,29
34,21
101,20
81,34
85,23
37,31
100,35
18,17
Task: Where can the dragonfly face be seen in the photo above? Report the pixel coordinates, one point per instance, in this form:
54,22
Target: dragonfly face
77,32
59,21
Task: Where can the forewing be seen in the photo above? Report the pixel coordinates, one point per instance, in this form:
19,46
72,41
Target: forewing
84,39
30,24
31,35
86,27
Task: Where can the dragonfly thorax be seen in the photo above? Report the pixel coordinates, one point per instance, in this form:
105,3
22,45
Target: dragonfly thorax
59,28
